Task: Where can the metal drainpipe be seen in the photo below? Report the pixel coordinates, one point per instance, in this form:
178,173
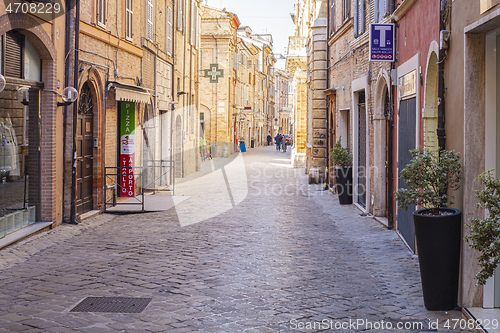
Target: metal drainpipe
327,171
66,83
216,93
390,147
172,171
390,173
155,99
75,113
441,132
190,86
184,30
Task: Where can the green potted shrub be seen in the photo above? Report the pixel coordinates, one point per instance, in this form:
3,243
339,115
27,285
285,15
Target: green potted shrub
428,178
484,233
343,172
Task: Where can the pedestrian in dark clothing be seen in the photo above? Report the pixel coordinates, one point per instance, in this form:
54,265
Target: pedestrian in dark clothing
269,139
278,138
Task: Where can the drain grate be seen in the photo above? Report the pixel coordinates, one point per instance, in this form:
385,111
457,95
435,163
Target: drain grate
112,304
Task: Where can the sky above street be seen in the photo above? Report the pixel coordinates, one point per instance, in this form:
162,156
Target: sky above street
263,16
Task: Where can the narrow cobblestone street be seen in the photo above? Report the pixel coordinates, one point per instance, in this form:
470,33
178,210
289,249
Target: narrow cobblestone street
284,259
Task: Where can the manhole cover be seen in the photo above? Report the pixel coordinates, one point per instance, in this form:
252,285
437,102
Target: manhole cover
112,304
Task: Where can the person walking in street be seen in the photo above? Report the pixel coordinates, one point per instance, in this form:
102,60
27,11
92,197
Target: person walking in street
269,139
285,140
278,141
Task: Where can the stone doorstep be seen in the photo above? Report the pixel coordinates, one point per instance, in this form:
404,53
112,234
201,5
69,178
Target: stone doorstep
24,233
382,220
481,315
90,214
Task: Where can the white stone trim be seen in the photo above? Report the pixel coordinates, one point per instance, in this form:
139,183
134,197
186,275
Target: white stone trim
357,85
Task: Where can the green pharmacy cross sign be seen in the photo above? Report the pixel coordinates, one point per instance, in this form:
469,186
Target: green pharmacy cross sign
214,73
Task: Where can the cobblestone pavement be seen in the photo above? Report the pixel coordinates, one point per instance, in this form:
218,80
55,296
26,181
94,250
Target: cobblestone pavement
286,259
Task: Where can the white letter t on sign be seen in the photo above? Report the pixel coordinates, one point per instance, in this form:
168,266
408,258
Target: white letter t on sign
382,29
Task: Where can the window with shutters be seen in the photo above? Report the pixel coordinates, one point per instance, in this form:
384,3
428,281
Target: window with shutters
383,8
19,58
359,18
236,61
332,16
101,12
149,20
347,9
169,30
180,15
194,24
129,19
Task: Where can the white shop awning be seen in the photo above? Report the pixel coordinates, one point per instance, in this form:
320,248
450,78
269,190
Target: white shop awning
129,93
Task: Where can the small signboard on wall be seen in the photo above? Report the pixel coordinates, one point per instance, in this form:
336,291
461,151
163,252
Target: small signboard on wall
382,38
408,84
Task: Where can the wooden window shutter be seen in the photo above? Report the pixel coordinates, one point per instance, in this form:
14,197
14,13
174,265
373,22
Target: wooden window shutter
129,19
373,11
14,54
169,30
361,17
149,23
193,22
332,16
101,12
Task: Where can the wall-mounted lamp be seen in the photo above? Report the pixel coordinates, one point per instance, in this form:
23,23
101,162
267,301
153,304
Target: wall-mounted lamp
23,95
180,93
173,104
69,96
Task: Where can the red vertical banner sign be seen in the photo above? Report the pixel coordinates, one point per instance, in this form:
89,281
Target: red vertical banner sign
127,149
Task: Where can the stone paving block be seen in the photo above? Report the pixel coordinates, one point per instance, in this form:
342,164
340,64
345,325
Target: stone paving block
268,260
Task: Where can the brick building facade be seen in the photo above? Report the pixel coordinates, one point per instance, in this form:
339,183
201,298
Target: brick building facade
30,155
219,71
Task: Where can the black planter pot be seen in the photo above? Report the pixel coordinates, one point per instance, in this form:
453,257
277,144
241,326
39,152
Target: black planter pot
343,178
438,247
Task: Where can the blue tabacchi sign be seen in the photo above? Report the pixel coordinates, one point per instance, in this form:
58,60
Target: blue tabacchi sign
382,42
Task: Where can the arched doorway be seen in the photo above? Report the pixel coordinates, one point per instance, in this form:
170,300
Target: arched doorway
382,172
431,103
85,151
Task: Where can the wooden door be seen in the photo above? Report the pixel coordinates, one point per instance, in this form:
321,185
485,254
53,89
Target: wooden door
85,152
